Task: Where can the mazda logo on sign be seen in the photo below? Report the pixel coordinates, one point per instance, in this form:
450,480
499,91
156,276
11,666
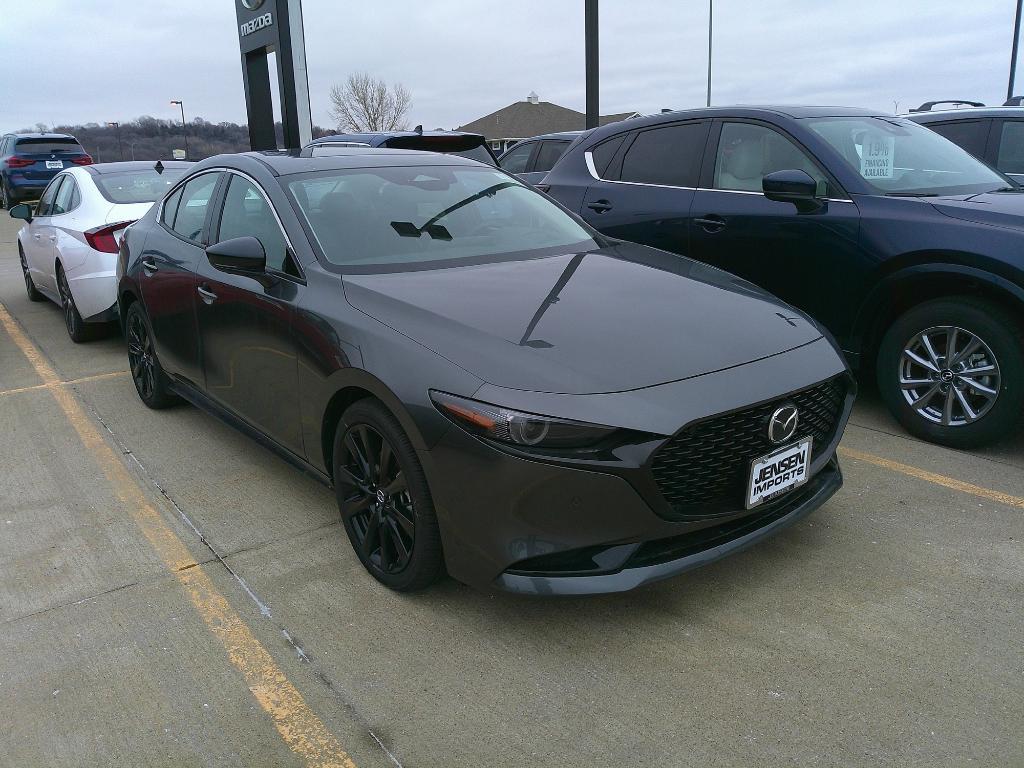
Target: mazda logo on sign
782,423
252,5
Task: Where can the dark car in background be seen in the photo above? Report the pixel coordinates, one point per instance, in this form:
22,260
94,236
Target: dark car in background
490,385
908,249
29,160
532,158
471,145
992,134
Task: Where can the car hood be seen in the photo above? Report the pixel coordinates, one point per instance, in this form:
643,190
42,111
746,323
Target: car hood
1000,209
607,320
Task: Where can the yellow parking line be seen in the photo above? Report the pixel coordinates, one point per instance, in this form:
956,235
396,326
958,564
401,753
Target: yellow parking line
297,724
62,383
931,477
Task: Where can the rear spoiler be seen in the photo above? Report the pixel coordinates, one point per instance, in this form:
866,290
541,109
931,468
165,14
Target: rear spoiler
929,105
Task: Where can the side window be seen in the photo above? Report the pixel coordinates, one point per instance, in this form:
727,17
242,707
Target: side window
969,134
747,153
1011,147
45,203
195,201
548,154
171,208
604,152
248,214
669,155
64,202
515,160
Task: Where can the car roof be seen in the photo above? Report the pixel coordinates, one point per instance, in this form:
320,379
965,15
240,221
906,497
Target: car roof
369,137
134,165
42,136
569,135
964,113
285,162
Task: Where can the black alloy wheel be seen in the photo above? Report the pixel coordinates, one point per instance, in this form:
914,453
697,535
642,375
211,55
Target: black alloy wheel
77,329
30,286
952,371
149,378
383,499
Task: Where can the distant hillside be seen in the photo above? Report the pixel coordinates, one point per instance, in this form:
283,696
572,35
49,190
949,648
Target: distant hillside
151,138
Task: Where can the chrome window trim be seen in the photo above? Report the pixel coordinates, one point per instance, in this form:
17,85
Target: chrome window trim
301,277
588,157
172,190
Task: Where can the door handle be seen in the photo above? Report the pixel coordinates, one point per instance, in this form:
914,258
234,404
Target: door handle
208,296
37,236
600,206
53,238
711,223
149,265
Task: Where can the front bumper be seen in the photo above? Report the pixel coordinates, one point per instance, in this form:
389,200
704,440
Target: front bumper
549,525
643,563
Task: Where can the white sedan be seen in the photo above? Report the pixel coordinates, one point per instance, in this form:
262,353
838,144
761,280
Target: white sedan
69,242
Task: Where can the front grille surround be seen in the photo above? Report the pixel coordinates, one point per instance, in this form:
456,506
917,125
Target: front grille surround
703,469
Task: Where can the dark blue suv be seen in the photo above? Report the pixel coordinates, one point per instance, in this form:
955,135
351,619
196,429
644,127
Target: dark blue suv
29,160
904,246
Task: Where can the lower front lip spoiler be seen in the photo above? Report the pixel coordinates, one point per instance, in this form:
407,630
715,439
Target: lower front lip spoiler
823,486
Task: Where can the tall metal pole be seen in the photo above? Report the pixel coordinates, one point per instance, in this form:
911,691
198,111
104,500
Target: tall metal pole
1013,52
590,30
184,129
120,149
711,16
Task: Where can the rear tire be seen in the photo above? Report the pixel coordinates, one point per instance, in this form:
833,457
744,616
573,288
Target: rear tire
151,382
7,200
30,286
384,500
969,399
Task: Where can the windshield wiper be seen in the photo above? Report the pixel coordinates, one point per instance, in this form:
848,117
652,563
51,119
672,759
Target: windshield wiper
1008,189
911,194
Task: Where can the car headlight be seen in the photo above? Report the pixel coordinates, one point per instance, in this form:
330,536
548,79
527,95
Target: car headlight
518,428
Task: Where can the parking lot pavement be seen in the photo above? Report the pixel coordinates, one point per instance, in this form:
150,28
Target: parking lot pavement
884,629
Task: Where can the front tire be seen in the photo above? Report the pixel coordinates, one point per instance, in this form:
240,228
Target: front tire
150,380
384,500
77,328
952,371
30,286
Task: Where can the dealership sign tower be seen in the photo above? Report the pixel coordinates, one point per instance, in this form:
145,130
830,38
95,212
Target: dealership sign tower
265,27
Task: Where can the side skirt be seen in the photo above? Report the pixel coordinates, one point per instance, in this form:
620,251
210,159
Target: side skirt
204,403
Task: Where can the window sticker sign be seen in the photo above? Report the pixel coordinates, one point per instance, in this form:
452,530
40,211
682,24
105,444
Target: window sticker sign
876,156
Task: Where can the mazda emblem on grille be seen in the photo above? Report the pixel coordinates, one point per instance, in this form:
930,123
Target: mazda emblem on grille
782,423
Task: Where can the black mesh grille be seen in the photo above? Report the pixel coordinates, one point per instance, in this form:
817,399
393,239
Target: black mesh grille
703,469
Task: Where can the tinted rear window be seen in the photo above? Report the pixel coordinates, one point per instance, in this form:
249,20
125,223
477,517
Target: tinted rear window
669,155
48,145
477,153
137,186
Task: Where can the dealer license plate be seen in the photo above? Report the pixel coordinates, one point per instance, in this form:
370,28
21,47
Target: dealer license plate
57,164
779,472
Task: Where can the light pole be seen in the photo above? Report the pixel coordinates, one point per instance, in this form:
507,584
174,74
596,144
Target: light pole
184,130
131,148
590,63
120,149
711,16
1013,52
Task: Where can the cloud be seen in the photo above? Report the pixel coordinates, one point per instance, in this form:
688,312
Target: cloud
118,59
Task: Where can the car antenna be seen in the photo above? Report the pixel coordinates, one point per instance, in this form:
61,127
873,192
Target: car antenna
419,129
159,167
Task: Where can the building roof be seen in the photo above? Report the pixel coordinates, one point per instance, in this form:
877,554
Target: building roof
524,119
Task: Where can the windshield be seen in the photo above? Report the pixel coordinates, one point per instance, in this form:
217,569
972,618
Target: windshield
898,157
137,186
417,215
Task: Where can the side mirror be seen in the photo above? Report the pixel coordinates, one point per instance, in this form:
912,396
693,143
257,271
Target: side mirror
239,254
792,186
21,211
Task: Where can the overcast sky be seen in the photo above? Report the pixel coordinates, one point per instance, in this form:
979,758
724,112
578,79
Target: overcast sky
77,61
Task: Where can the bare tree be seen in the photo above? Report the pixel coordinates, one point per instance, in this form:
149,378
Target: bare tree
365,103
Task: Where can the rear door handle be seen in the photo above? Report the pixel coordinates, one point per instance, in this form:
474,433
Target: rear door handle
149,265
208,296
53,238
37,236
711,223
600,206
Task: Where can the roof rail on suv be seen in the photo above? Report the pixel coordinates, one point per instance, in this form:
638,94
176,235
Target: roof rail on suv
929,105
